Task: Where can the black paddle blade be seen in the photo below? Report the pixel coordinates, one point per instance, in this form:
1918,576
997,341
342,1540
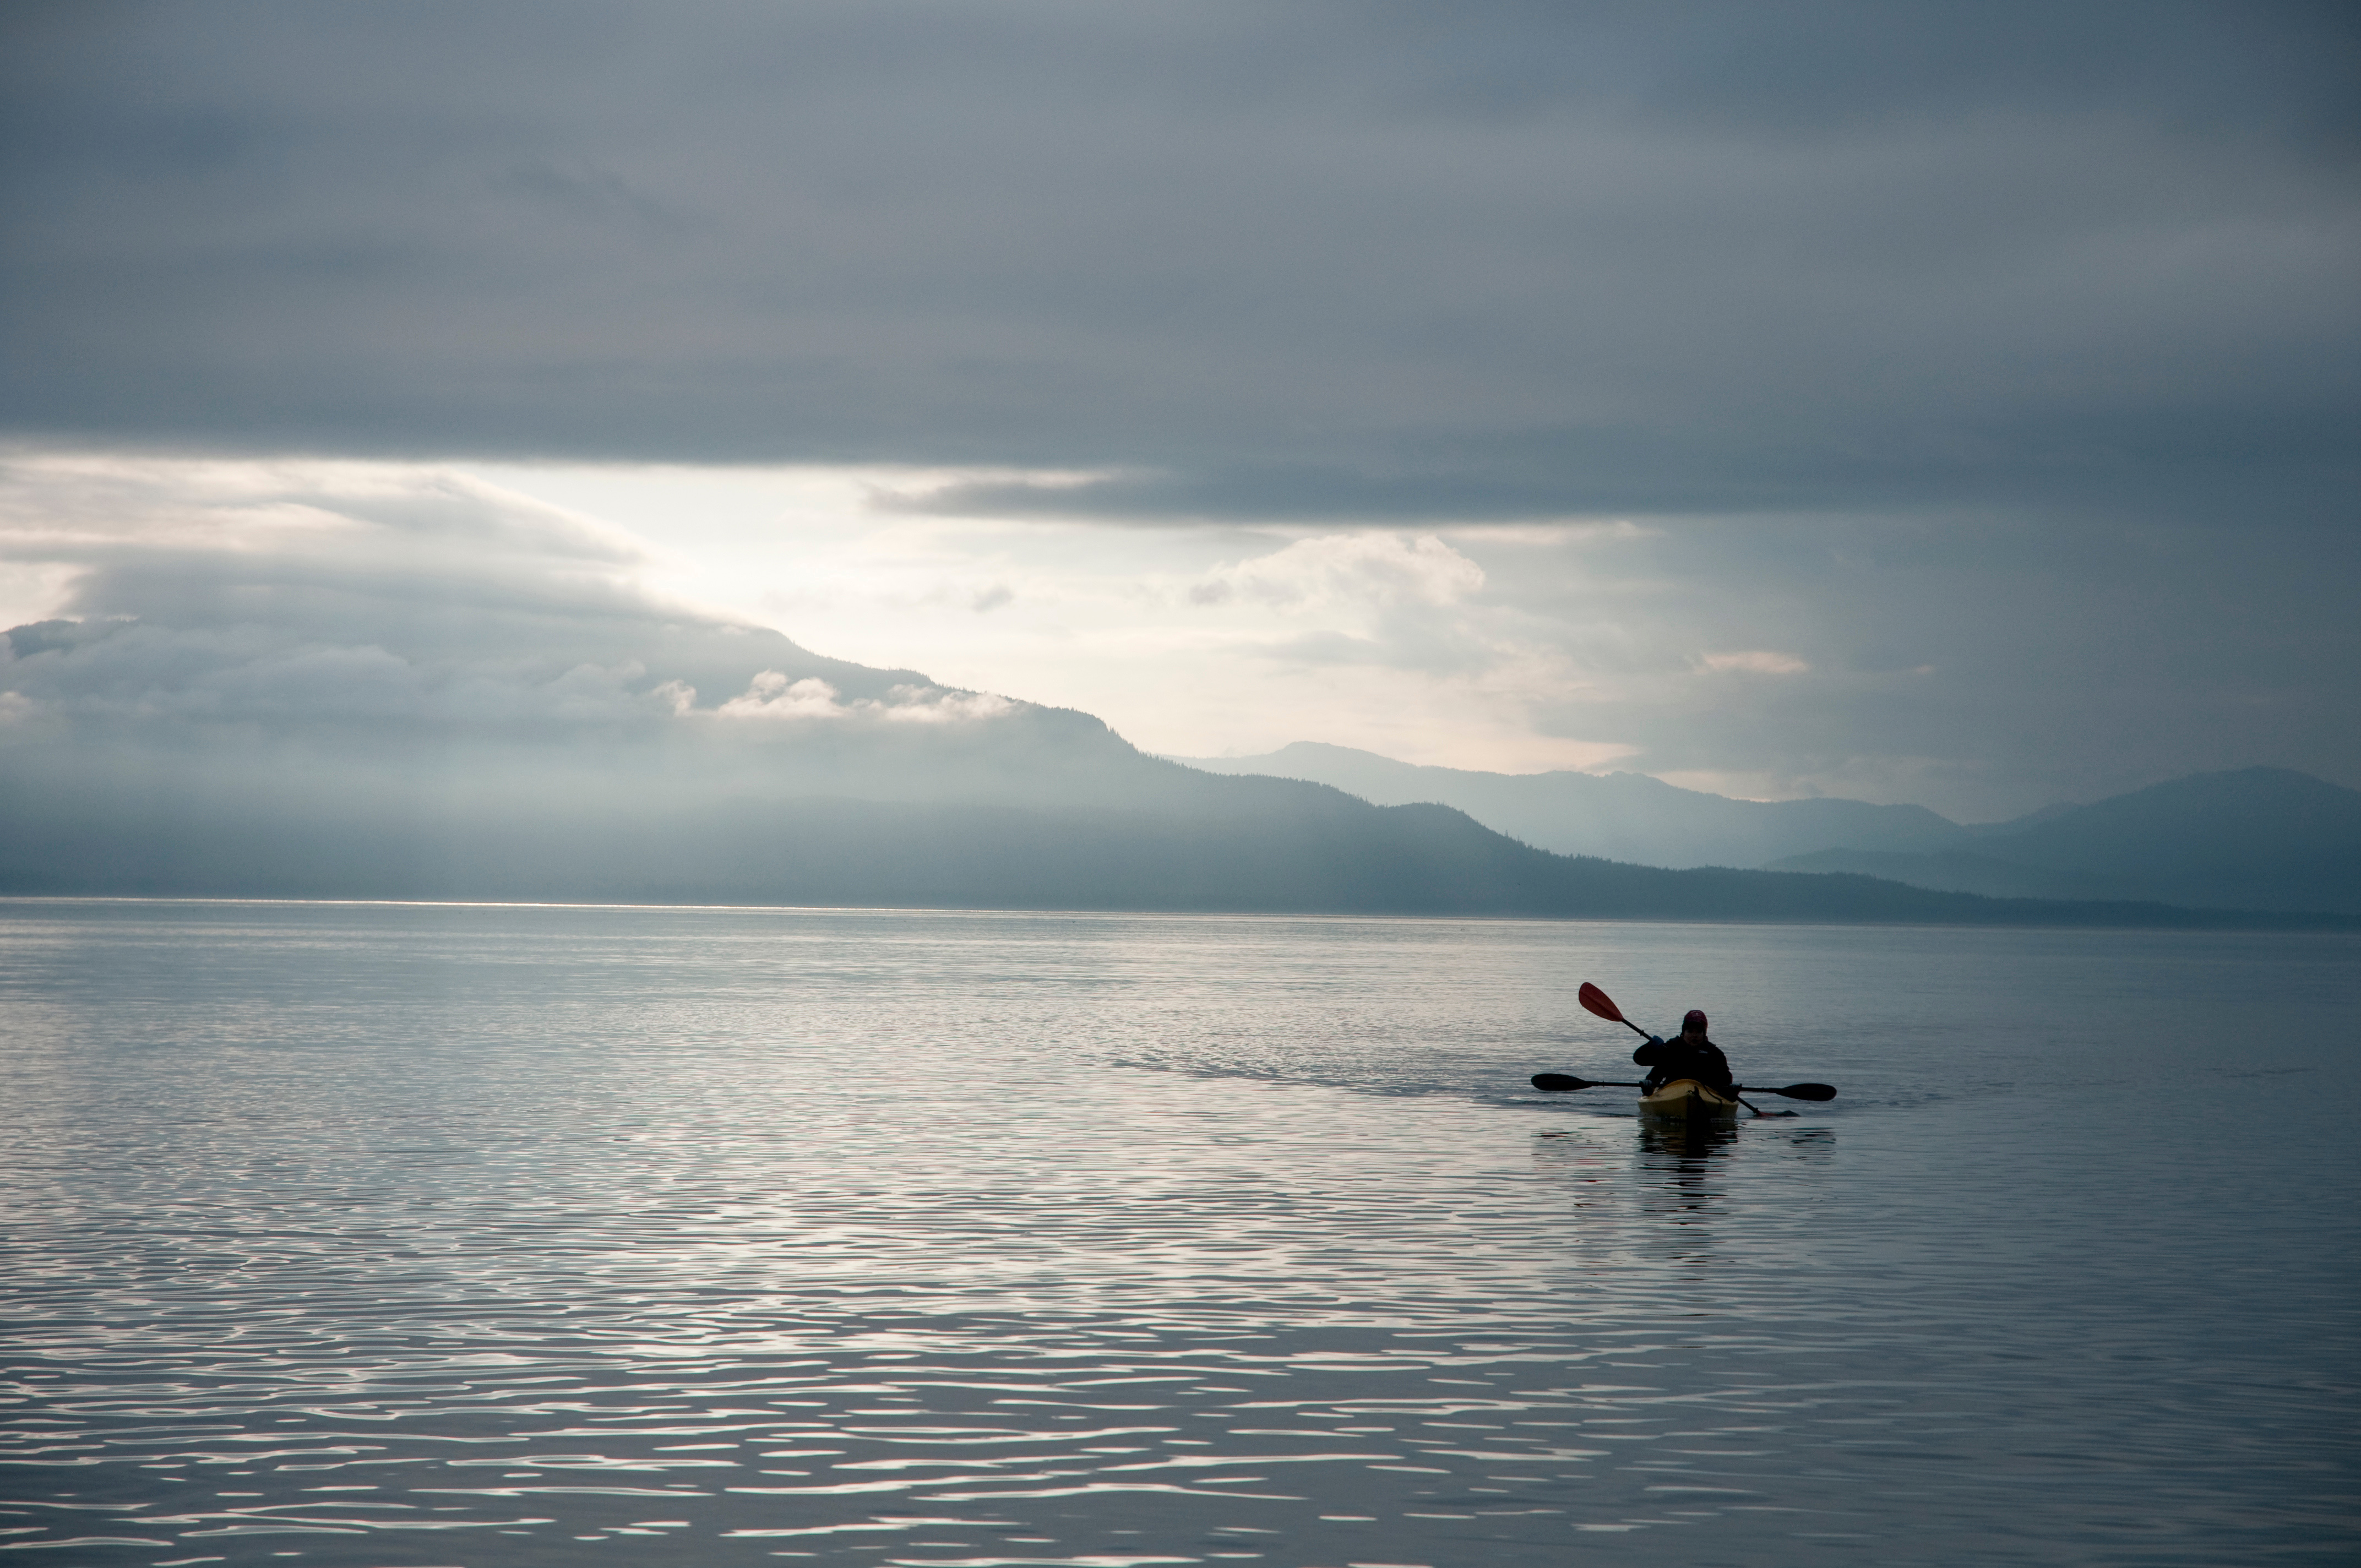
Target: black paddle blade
1797,1091
1597,1000
1559,1081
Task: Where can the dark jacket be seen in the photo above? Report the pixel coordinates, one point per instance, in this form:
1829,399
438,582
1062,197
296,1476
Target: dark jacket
1668,1059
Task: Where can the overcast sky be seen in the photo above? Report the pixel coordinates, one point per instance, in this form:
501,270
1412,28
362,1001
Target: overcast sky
1943,403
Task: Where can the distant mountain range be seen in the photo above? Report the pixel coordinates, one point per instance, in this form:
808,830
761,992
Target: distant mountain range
464,697
2255,839
1282,849
1618,817
609,755
2261,838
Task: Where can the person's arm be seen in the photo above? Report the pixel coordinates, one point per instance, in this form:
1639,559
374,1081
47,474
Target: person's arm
1652,1053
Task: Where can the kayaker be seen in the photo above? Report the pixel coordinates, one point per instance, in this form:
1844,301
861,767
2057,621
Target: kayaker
1691,1056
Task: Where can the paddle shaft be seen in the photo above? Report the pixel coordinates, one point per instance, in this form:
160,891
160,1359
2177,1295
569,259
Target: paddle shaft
1562,1082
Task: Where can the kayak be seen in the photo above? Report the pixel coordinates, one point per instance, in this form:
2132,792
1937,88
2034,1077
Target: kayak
1687,1099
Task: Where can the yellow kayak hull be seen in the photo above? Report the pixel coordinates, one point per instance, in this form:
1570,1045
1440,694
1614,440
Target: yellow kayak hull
1684,1099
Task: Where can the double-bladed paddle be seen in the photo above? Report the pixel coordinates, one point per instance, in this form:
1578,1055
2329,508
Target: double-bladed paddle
1559,1081
1595,1001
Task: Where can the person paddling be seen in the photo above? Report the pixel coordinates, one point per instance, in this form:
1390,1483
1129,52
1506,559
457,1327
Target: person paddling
1691,1056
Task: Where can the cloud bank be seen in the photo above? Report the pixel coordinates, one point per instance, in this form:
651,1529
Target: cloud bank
325,641
1308,260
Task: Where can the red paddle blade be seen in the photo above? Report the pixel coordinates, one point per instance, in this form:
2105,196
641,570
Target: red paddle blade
1597,1000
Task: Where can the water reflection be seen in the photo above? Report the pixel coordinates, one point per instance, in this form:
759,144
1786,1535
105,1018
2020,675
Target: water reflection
1669,1168
1689,1143
1683,1171
1686,1172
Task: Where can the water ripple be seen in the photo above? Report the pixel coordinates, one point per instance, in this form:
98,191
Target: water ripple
378,1239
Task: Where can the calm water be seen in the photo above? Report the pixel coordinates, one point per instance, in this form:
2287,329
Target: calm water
399,1237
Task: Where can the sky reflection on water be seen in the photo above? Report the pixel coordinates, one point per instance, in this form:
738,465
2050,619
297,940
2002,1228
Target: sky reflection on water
422,1236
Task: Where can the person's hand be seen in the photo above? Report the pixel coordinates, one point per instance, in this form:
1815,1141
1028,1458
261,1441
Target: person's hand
1656,1039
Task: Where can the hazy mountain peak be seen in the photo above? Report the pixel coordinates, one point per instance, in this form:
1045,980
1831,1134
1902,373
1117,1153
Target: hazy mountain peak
2259,837
2235,814
1617,815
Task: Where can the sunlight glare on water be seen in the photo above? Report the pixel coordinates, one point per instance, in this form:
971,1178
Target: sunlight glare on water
400,1235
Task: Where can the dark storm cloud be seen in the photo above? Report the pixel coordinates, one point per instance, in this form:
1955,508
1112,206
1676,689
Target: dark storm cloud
1294,261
